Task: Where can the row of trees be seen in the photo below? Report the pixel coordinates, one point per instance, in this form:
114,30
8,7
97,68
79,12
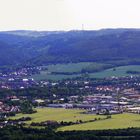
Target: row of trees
21,133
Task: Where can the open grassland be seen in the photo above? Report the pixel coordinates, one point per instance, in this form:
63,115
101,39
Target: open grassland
77,67
45,75
58,114
70,67
67,68
117,71
116,122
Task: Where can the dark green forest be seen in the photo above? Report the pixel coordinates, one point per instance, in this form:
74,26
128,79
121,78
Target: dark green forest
119,46
21,133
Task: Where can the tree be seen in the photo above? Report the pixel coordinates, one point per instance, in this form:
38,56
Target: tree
27,108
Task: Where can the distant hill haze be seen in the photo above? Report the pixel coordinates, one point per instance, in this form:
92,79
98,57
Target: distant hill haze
41,48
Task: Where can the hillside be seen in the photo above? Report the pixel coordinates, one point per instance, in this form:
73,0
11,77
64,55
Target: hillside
121,46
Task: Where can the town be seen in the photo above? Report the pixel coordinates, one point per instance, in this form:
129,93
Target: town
113,95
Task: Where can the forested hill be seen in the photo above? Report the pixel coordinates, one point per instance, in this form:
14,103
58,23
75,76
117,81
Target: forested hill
32,47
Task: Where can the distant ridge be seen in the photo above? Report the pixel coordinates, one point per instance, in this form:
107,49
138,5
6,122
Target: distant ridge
45,47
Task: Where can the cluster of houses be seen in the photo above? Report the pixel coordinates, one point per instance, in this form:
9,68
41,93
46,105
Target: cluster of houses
107,96
17,83
6,109
127,100
18,78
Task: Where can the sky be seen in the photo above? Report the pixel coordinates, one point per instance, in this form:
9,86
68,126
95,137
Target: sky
68,14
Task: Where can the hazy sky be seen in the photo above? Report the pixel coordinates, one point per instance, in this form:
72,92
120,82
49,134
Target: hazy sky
68,14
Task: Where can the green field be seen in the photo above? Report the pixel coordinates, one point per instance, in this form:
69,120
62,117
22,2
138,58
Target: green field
77,67
69,68
57,114
119,71
117,121
45,75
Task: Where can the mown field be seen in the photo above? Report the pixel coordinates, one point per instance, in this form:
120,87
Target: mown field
45,75
70,67
57,114
78,67
67,68
116,122
117,71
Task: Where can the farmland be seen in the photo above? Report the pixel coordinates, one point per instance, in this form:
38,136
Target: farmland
57,114
72,69
75,71
117,121
117,71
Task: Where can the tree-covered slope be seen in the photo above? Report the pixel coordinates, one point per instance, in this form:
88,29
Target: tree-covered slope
19,47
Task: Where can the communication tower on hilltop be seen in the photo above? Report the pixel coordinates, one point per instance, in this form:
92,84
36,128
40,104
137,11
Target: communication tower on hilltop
82,27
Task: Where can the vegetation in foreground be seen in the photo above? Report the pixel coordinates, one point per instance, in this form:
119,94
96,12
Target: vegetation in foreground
21,133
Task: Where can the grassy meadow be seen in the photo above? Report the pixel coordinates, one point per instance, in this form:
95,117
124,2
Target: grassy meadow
69,68
117,121
57,114
77,67
119,71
